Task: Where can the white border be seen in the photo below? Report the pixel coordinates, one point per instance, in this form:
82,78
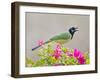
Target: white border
36,70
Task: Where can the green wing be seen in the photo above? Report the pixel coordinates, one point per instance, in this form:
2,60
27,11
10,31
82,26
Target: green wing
61,38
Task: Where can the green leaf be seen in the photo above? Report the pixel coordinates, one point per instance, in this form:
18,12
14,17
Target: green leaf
64,49
87,61
29,62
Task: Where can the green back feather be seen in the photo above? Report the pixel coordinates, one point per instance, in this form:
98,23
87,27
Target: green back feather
63,37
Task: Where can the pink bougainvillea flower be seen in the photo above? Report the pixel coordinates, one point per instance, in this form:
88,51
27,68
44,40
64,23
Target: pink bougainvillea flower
57,55
57,52
79,56
40,42
58,49
58,46
69,54
81,60
76,53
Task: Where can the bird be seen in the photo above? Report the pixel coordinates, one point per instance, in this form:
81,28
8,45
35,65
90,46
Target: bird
61,38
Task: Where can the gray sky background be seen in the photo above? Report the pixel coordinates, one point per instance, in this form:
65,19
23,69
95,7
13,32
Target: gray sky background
42,26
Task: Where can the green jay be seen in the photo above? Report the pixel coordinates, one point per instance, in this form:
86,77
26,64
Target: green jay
61,38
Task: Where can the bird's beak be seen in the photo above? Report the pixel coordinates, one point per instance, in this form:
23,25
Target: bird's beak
76,29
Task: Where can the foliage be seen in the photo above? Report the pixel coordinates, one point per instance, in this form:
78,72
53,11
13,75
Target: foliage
29,62
59,55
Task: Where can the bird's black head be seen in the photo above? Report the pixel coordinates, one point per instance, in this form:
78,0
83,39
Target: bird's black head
72,30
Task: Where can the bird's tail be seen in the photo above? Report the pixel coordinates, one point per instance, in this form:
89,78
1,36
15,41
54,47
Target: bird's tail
40,45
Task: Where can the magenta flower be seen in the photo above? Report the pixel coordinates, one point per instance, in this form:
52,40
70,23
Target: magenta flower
76,53
69,54
40,42
81,60
57,56
58,49
57,52
58,46
79,56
